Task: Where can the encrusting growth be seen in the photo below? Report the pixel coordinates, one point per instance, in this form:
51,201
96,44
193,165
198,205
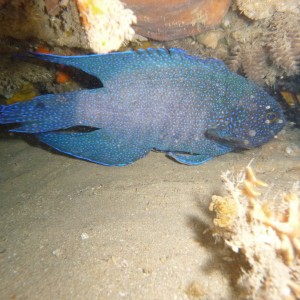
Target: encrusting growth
107,24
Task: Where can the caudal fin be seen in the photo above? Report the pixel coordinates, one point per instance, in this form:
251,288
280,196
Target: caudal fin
42,114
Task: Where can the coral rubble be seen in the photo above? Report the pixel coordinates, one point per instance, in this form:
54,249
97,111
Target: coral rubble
265,231
168,20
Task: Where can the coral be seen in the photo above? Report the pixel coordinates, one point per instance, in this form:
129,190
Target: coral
265,50
107,24
262,50
285,224
265,231
167,20
252,60
261,9
226,210
283,42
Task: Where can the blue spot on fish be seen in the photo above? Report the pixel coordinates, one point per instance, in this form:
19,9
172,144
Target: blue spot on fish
191,108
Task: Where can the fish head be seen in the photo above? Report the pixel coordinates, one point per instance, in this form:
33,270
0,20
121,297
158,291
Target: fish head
250,122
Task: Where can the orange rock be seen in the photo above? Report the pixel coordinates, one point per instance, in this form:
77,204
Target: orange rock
172,19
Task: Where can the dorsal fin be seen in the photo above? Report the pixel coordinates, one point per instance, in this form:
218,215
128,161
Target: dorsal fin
106,66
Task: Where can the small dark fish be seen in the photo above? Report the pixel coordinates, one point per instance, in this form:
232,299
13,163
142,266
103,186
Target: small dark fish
194,109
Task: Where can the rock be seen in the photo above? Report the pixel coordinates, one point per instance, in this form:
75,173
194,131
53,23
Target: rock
261,9
210,39
167,20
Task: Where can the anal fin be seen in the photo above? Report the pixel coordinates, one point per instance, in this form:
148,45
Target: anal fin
96,146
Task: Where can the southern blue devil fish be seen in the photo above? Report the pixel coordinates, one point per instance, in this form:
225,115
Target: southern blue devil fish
191,108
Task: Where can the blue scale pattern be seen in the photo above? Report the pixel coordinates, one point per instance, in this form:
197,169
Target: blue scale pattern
194,109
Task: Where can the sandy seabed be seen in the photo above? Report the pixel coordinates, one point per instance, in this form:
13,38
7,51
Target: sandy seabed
70,229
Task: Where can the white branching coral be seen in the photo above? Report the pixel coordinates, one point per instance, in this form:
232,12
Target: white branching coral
265,231
107,24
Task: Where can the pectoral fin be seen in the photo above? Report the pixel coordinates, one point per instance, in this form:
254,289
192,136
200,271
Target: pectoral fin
221,136
208,152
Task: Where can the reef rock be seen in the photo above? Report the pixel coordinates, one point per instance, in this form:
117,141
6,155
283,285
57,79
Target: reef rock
167,20
96,25
40,22
261,9
107,24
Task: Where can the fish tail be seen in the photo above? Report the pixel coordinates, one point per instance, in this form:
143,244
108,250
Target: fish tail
42,114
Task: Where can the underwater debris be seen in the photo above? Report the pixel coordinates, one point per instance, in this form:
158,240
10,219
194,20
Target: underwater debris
265,231
169,20
107,24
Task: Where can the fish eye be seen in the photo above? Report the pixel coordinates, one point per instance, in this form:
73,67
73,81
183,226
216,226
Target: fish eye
271,117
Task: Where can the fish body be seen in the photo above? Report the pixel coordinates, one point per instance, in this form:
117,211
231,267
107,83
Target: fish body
191,108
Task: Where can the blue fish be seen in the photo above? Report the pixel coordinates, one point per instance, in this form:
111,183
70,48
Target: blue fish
191,108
